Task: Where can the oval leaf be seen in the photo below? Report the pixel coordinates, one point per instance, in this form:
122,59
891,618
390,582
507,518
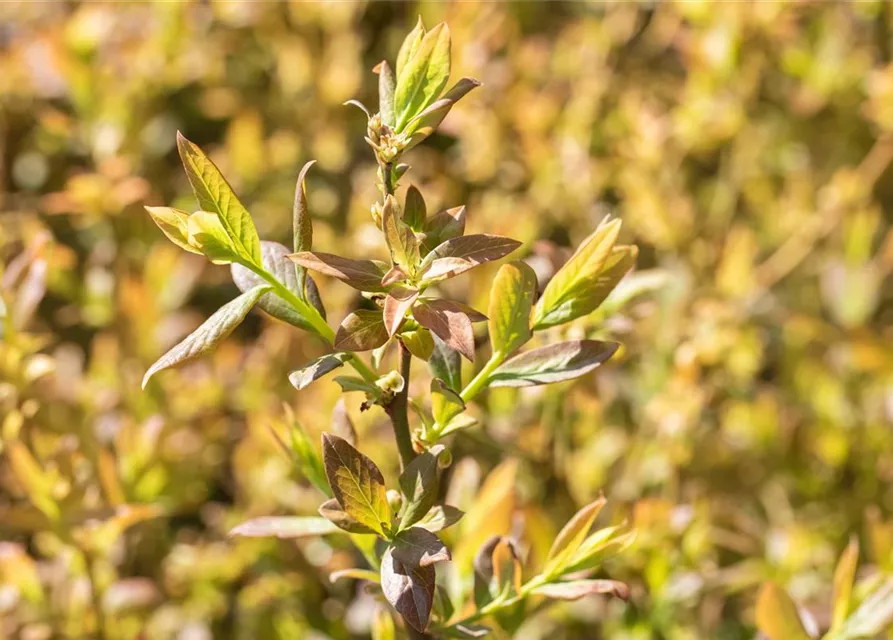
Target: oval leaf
331,510
396,304
410,590
511,299
420,485
357,483
458,255
449,322
363,275
553,363
362,330
417,547
211,332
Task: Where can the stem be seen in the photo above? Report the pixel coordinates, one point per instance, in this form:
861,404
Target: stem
480,380
95,595
496,605
386,178
397,410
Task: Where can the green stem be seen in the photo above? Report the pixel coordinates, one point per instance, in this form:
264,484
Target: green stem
479,382
498,604
398,411
316,321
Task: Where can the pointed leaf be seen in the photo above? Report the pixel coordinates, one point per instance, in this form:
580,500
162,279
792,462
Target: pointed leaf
426,122
577,589
284,527
210,333
316,369
410,590
357,483
458,255
398,301
402,243
511,299
362,330
410,46
420,485
777,615
844,574
387,84
355,574
415,213
424,75
449,323
571,537
579,286
419,342
873,616
275,260
417,547
302,226
446,364
446,404
440,517
332,512
553,363
394,275
215,195
208,235
174,224
443,226
363,275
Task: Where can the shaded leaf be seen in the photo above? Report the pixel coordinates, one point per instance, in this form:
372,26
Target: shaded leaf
446,404
275,260
419,484
446,365
414,211
506,567
448,322
440,517
511,299
332,512
216,196
553,363
402,243
398,301
284,527
362,330
363,275
312,371
394,275
457,255
576,589
302,227
174,224
209,334
443,226
417,547
410,590
357,483
777,615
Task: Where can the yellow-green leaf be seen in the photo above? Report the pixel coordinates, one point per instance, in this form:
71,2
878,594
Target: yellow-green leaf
511,299
207,234
357,483
777,615
174,224
844,574
571,537
424,75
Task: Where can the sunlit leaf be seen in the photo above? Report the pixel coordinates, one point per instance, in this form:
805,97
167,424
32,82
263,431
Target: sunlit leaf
208,235
355,574
333,513
458,255
571,537
443,226
398,301
511,299
426,122
553,363
445,403
285,527
423,74
419,342
174,224
210,333
445,363
363,275
357,483
401,240
410,45
873,616
316,369
777,615
440,517
576,589
387,85
362,330
844,574
449,322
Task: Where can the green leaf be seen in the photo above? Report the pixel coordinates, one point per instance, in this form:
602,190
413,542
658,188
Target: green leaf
355,574
357,484
873,616
174,224
276,262
302,227
458,255
419,484
844,574
553,363
410,46
216,196
777,615
415,213
598,546
426,122
332,512
402,243
398,301
446,364
571,537
446,404
210,333
284,527
306,458
440,517
363,275
355,383
316,369
387,84
207,234
449,322
362,330
410,590
423,76
511,299
443,226
417,547
576,589
419,342
577,288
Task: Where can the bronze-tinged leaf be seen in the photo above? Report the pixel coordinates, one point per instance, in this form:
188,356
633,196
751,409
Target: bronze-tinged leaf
302,227
410,590
448,322
458,255
394,275
331,510
417,547
777,615
275,260
553,363
363,275
576,589
496,568
398,301
443,226
414,210
316,369
342,425
511,300
571,537
210,333
285,527
357,484
420,485
387,84
362,330
402,242
440,517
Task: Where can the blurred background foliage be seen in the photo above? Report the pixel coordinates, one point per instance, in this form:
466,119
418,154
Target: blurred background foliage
745,430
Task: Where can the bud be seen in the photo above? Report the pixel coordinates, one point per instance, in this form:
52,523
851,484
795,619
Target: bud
373,129
444,459
375,210
395,500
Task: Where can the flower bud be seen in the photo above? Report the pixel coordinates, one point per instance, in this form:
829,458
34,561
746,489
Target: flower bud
395,500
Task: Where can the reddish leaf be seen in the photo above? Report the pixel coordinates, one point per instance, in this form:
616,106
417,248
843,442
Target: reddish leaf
449,322
417,547
443,226
393,276
458,255
396,304
410,590
364,275
362,330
